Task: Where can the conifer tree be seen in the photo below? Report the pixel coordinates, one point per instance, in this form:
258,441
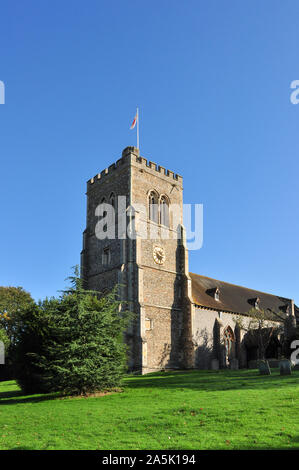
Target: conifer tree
73,344
86,350
31,341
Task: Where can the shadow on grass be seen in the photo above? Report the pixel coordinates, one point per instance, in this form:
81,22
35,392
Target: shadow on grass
199,380
213,380
12,394
14,397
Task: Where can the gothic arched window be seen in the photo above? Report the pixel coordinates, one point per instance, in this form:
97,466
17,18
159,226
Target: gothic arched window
229,339
153,206
104,214
103,201
164,211
112,202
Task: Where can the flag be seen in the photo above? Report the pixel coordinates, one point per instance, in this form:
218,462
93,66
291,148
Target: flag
135,120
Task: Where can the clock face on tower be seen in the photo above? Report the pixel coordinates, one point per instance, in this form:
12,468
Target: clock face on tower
159,255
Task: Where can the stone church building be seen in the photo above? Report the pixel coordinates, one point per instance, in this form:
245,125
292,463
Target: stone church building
182,320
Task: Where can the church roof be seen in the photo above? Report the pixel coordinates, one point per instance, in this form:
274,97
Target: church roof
235,299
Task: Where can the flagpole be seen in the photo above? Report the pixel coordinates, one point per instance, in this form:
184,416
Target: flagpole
137,128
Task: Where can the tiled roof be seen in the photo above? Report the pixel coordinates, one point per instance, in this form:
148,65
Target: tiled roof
236,299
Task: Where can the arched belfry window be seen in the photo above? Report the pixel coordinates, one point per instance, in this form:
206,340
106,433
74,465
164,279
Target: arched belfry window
164,211
103,201
112,200
153,206
229,339
104,213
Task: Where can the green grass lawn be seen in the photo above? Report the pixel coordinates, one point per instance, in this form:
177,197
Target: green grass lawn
173,410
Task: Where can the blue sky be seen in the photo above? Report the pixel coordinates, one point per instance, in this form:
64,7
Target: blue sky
212,80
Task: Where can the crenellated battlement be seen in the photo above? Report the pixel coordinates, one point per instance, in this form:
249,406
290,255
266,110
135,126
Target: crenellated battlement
132,154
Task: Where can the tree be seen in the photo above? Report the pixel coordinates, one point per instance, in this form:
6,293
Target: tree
74,344
13,302
4,338
261,324
4,344
31,341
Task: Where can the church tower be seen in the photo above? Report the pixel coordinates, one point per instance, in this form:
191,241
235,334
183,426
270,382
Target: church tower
146,256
